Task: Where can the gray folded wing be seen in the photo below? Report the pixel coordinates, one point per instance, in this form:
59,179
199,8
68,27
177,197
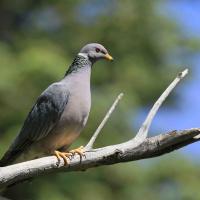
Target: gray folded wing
40,121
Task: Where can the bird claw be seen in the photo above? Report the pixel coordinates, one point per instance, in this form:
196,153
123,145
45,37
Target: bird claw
64,156
68,155
79,151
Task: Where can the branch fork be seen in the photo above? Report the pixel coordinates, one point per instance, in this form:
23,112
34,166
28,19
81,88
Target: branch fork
143,131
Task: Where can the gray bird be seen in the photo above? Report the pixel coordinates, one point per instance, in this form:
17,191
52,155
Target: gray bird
59,114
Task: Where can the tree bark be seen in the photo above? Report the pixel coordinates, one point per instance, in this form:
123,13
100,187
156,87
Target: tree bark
124,152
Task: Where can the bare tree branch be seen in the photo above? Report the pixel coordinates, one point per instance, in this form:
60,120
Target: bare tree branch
137,148
151,147
143,131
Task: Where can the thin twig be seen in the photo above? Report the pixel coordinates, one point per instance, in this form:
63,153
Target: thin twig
90,144
143,131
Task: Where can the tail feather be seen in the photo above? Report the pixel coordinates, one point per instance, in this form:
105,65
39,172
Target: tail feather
14,151
8,158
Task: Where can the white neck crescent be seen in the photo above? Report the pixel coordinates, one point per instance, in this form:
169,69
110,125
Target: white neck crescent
83,54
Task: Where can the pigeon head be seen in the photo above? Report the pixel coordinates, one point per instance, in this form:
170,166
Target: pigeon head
95,51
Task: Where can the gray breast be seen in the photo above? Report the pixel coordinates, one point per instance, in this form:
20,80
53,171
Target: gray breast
77,110
79,102
75,114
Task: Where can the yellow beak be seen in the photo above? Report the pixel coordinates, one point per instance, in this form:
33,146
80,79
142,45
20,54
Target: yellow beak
109,57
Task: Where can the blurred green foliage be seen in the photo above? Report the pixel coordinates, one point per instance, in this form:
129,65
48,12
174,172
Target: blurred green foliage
38,40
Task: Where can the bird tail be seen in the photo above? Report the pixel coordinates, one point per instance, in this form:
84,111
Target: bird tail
8,158
13,152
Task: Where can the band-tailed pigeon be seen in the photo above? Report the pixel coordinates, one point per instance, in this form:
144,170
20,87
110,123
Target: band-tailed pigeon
59,114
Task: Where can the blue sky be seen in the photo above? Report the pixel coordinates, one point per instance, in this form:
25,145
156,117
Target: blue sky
187,113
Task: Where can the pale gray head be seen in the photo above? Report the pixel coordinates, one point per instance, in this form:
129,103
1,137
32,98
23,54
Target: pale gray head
95,51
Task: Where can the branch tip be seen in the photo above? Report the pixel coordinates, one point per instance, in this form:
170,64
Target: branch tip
183,73
143,131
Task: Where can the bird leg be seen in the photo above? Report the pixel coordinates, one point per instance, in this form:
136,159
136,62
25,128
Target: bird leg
64,155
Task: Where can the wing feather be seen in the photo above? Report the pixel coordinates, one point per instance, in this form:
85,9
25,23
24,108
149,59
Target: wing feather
40,121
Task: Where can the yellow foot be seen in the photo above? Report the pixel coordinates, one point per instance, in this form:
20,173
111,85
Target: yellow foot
68,155
80,151
63,155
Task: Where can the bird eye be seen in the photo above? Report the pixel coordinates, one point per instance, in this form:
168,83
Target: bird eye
97,50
